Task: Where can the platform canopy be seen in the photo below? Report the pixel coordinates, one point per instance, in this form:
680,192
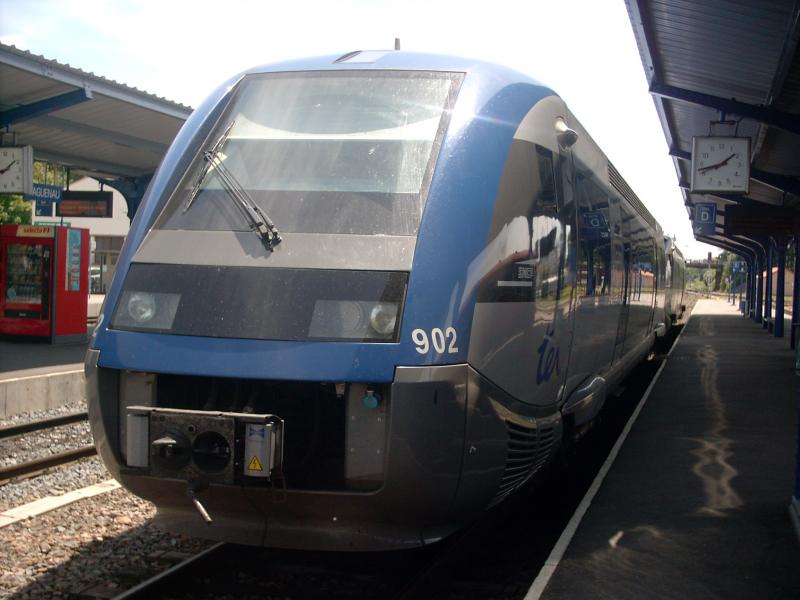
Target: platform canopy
732,60
86,122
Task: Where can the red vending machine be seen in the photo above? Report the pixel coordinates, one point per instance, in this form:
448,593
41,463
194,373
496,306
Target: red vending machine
44,281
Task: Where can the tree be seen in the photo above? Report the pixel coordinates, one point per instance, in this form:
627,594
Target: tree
14,210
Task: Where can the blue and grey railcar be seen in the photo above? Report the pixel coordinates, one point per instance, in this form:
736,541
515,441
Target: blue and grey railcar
365,298
676,281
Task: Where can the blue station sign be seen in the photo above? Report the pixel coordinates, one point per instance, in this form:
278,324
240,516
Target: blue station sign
45,196
705,218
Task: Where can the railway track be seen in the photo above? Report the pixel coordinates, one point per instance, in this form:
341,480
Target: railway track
19,429
158,585
39,465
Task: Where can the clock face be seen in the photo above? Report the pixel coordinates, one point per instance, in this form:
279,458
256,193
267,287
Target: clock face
11,170
721,164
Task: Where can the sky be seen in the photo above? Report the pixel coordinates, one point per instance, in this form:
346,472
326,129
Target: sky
584,49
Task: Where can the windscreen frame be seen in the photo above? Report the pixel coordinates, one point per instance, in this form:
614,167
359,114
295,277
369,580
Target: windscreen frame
177,197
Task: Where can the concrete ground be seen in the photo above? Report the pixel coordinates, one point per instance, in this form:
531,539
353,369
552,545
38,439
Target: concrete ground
36,375
696,503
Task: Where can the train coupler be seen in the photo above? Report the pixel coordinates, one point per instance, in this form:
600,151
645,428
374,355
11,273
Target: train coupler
196,445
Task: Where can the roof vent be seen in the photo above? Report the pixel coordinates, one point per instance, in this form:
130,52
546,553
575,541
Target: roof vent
362,56
619,184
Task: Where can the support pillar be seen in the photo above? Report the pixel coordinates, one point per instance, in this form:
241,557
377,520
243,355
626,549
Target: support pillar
743,288
768,288
131,188
747,288
795,293
759,290
781,284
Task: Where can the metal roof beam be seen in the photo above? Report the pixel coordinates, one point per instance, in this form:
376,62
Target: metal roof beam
726,244
64,74
88,164
773,180
43,107
106,135
769,116
740,200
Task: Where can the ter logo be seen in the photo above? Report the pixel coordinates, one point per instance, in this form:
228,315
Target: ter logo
548,357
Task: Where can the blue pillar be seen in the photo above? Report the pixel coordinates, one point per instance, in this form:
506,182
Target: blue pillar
781,284
748,290
132,189
742,285
759,289
732,287
768,287
795,292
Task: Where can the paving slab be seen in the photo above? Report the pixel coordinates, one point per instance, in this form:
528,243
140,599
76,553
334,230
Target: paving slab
696,503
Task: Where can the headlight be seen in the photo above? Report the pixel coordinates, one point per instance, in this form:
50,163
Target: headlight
354,320
141,307
383,317
146,310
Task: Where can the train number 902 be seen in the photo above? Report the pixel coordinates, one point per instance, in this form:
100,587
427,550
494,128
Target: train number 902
442,341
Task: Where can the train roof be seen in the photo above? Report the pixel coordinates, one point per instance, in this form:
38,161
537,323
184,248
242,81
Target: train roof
394,60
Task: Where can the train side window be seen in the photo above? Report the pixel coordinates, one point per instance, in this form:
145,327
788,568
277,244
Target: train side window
524,238
527,187
594,260
548,198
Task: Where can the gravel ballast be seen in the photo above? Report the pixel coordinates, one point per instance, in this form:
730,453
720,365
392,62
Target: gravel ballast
33,445
27,417
107,541
59,480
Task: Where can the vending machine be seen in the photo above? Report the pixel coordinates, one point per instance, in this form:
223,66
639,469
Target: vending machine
44,281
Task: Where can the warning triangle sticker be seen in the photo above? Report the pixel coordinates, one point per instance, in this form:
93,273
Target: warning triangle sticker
254,464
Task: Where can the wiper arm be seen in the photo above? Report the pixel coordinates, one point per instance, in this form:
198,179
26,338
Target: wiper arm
213,151
257,218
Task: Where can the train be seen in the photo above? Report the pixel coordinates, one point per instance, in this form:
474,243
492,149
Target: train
365,298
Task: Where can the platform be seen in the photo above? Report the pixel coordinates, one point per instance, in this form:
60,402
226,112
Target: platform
36,375
696,503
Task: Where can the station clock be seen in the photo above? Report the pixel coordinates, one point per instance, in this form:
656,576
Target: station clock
721,164
16,170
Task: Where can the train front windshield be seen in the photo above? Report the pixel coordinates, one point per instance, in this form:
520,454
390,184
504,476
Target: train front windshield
323,152
345,155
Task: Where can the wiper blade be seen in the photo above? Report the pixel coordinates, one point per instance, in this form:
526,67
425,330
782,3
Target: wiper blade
257,218
213,151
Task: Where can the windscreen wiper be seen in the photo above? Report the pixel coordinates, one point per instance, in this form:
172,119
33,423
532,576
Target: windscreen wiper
257,218
207,166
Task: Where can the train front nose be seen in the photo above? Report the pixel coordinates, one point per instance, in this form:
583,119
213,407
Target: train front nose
344,466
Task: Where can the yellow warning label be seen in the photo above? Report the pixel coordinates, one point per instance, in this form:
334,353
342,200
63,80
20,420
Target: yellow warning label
254,464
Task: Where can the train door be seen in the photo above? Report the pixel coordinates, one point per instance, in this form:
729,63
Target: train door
623,241
594,312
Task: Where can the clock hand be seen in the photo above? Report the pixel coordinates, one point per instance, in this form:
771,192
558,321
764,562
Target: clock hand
11,164
716,166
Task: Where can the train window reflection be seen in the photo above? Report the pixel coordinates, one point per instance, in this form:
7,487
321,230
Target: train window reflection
594,261
334,152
